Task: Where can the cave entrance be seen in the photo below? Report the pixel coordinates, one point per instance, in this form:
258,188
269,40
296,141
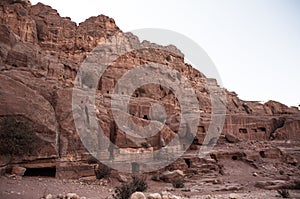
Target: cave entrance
188,162
262,154
263,129
234,157
46,172
145,117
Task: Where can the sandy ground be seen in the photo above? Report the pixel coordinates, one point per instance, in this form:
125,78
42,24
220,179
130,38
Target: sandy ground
36,187
238,178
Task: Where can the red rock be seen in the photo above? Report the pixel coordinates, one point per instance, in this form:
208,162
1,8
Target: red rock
40,53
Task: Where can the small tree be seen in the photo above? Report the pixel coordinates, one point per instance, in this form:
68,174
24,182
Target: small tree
127,189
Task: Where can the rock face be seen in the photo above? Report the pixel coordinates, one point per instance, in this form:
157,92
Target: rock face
169,176
40,54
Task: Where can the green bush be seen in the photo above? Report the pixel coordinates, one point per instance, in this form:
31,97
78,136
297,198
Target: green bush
102,171
284,193
127,189
178,183
17,137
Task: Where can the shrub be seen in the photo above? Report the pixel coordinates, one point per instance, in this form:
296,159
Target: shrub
92,160
17,137
178,183
145,145
284,193
102,171
155,177
139,184
127,189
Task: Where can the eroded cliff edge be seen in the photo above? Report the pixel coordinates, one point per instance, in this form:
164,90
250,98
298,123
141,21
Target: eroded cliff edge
40,54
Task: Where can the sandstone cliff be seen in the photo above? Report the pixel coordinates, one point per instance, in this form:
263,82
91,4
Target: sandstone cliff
40,54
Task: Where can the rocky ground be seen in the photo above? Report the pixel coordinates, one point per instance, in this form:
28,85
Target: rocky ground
239,179
36,187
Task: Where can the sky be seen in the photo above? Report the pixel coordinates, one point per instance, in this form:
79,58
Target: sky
254,44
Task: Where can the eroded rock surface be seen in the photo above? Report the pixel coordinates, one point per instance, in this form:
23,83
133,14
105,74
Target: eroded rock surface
40,54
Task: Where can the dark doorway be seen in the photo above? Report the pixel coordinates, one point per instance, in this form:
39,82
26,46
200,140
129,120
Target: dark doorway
135,167
188,162
234,157
48,172
262,154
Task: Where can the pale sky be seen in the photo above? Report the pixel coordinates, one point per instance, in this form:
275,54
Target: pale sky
255,44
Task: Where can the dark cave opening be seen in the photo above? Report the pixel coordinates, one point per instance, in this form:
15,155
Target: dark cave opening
262,154
188,162
46,172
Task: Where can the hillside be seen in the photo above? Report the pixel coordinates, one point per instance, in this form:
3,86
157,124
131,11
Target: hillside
40,56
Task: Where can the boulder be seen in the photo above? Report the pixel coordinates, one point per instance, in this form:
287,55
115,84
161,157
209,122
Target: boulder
234,196
168,195
154,196
121,178
138,195
72,196
49,196
231,138
169,176
19,171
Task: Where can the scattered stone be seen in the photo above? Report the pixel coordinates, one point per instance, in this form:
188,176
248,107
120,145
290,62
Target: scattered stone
217,181
154,196
121,178
19,171
186,190
234,196
208,197
170,189
230,187
88,180
60,196
72,196
138,195
168,195
291,160
49,196
278,184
